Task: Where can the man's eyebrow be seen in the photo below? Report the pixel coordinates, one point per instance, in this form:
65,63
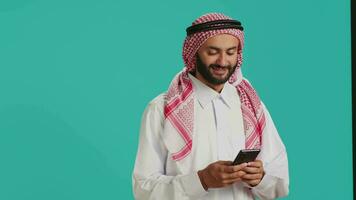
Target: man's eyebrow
217,48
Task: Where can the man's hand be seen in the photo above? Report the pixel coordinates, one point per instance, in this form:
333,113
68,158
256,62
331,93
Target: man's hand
254,173
221,174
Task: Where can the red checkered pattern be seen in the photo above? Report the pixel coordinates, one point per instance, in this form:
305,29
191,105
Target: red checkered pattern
179,106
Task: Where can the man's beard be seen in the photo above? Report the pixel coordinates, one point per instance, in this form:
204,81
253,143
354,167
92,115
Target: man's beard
208,76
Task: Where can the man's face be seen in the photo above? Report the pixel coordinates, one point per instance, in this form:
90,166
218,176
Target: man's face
217,59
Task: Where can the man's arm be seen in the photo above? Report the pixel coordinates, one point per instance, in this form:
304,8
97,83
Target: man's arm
149,179
275,181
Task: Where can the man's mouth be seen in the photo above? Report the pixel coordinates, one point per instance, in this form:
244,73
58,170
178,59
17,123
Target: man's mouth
219,70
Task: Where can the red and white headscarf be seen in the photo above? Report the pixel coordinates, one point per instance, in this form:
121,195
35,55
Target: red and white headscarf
179,101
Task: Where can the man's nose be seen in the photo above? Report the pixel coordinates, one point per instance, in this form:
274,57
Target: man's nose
222,60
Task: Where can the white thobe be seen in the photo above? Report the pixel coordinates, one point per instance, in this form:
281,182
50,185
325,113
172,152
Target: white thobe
218,135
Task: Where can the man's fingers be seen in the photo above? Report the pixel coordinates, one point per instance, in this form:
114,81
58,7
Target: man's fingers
252,176
227,169
232,168
236,175
230,181
221,165
256,163
232,177
223,173
239,167
252,170
223,177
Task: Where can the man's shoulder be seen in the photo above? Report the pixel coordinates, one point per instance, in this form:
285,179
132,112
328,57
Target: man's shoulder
157,104
154,110
158,100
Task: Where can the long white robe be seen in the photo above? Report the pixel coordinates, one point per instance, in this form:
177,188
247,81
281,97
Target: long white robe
218,135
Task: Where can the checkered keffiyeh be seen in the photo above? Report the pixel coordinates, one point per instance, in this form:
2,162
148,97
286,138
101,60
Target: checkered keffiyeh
179,101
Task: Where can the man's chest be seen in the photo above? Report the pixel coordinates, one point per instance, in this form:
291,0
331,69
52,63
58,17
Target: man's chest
218,132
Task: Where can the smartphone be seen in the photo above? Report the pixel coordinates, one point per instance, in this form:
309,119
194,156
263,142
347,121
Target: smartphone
246,155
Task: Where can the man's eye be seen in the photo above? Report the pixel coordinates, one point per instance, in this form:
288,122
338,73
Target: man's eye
212,52
230,53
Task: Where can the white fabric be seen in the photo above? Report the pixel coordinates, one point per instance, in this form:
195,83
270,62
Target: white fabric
218,135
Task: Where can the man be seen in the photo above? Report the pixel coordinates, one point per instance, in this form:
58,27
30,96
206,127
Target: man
190,134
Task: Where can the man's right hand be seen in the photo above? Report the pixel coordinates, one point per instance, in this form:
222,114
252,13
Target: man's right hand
221,174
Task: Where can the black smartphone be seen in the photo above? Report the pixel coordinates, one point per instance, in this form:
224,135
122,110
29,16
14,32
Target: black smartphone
246,155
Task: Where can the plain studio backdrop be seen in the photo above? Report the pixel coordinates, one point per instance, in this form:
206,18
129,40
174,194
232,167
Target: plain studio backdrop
75,77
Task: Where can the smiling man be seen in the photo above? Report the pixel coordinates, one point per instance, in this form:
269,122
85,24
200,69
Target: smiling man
191,133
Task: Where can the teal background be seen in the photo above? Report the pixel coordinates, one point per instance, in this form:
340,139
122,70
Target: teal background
75,77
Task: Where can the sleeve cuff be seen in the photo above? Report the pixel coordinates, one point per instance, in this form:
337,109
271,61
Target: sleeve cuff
192,186
265,182
264,186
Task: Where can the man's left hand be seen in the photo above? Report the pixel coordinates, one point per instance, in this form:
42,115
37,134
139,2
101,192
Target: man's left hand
254,173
